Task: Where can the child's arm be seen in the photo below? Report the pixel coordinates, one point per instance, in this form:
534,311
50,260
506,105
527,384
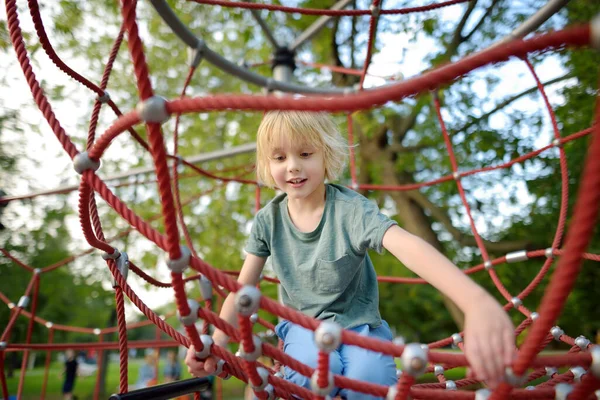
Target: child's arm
489,333
249,275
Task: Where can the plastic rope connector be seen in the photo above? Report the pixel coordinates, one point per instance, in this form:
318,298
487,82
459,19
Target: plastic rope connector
314,385
82,162
451,385
578,372
255,354
414,359
516,302
556,333
264,379
456,339
195,55
3,346
23,302
534,316
247,300
113,256
207,341
153,110
192,317
517,256
512,379
438,370
483,394
179,265
582,342
562,391
219,370
105,98
375,10
206,288
328,336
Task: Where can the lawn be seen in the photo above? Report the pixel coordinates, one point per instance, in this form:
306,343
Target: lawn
84,386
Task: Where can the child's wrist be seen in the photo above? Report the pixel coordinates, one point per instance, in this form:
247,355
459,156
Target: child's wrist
220,339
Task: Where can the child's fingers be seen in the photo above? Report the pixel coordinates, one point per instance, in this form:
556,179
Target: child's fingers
472,352
498,349
489,360
195,367
210,365
509,347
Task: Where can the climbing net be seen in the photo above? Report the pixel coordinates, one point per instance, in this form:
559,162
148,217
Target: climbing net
583,357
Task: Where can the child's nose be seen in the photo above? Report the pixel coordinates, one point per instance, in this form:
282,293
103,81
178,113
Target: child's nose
293,164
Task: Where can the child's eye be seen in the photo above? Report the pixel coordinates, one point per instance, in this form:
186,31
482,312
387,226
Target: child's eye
305,154
278,158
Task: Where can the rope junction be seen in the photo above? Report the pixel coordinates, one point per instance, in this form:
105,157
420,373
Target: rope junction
579,382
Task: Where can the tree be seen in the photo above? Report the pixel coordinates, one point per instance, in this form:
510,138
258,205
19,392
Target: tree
398,144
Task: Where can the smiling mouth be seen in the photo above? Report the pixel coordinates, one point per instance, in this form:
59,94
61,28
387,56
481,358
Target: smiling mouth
296,181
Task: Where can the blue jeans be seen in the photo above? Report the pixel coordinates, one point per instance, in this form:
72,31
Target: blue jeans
350,361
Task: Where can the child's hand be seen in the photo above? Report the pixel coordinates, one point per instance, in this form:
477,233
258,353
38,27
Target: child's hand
200,369
489,340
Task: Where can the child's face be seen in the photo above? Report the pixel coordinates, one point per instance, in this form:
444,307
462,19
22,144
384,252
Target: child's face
298,170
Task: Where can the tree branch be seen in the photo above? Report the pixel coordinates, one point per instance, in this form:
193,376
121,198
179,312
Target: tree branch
457,37
483,18
399,148
406,124
442,217
409,122
506,102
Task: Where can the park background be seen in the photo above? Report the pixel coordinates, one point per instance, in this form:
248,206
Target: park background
494,114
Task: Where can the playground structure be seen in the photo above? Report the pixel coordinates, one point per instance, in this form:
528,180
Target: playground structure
577,383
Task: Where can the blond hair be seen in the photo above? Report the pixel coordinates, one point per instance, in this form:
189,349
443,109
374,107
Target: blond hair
315,129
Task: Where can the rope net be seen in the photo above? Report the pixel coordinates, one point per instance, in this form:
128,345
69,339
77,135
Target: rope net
529,365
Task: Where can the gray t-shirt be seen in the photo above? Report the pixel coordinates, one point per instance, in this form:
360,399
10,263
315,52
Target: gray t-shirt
326,274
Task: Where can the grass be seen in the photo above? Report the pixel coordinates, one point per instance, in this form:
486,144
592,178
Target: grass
84,386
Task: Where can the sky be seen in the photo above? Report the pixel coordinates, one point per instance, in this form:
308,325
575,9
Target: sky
53,167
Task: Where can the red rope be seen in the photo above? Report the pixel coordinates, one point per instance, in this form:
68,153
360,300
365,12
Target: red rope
370,42
170,242
16,38
99,362
3,376
583,223
47,363
334,13
34,302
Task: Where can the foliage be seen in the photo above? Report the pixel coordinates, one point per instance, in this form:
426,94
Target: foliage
398,144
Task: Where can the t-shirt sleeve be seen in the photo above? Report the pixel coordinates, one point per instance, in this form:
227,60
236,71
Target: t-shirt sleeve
369,226
258,243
